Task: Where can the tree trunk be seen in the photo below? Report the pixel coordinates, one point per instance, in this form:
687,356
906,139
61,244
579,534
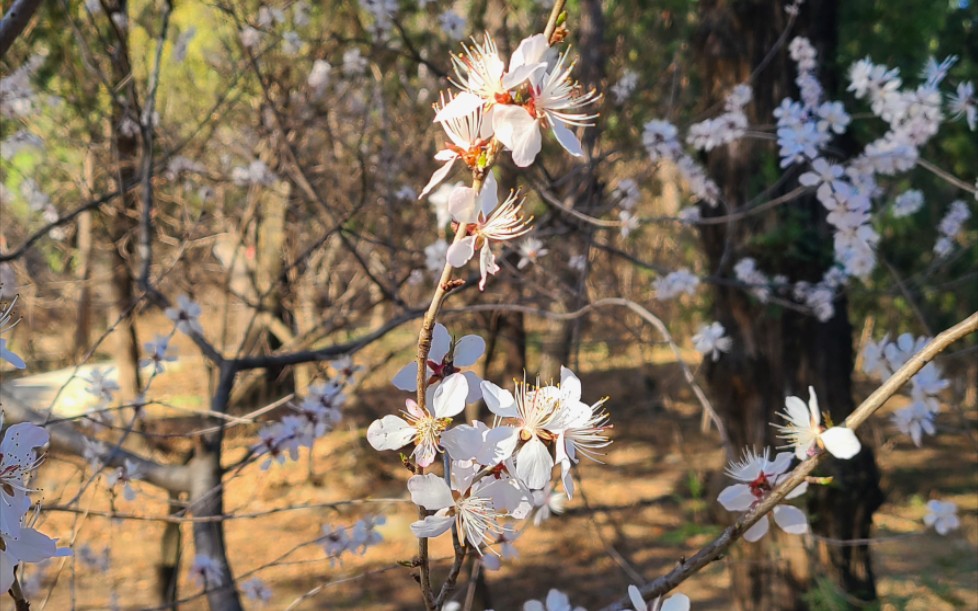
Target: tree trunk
778,351
125,148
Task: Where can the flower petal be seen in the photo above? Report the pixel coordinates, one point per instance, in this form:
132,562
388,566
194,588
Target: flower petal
432,526
450,395
465,103
566,137
407,378
736,498
534,464
757,531
499,400
461,252
468,350
791,519
841,442
516,129
390,433
678,602
441,341
636,597
475,387
438,176
430,491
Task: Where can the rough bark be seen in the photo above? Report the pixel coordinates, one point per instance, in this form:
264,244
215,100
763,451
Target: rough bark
778,351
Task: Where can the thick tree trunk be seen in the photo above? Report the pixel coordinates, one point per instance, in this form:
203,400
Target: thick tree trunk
778,351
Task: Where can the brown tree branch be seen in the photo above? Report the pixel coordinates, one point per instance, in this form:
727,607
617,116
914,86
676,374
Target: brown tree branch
716,548
14,21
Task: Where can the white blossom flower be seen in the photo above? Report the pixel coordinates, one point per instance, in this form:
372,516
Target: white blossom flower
530,250
446,357
28,545
676,602
674,284
555,103
158,352
711,340
907,203
318,78
964,104
625,86
452,24
759,476
485,223
474,509
555,601
915,420
942,515
468,136
206,571
354,64
186,315
101,385
434,255
257,590
126,474
482,76
250,37
804,430
423,427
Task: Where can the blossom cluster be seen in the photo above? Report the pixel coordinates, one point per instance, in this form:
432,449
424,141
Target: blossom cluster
881,359
491,473
19,458
500,106
318,413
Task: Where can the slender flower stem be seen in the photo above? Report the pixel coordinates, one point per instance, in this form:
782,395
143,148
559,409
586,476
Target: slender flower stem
716,548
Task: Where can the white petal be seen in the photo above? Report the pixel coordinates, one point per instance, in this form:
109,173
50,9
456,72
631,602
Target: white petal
500,443
32,546
791,519
450,395
780,463
407,378
529,53
475,387
487,265
461,252
557,600
801,489
461,205
7,564
499,400
566,138
736,498
462,442
430,491
798,413
757,531
390,433
438,176
841,442
636,597
679,602
19,442
516,129
432,526
441,341
530,605
488,197
570,384
534,464
465,103
468,350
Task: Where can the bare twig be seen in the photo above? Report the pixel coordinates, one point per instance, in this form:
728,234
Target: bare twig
14,21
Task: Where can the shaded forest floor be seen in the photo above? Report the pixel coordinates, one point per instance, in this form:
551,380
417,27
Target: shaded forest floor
640,513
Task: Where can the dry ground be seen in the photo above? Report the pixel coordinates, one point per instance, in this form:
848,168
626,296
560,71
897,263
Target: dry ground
640,512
